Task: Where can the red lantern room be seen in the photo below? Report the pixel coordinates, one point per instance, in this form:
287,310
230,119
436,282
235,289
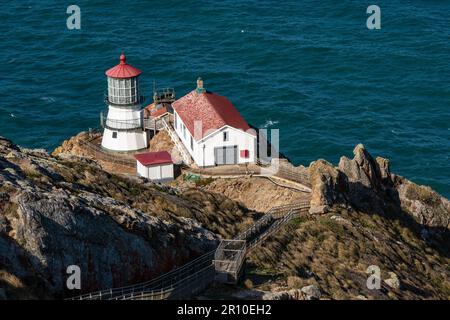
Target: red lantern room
123,83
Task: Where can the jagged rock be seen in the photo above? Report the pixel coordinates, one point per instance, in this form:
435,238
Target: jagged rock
294,294
329,186
427,206
368,185
366,179
58,230
384,172
318,209
311,292
55,212
340,220
73,144
362,168
7,146
393,281
35,152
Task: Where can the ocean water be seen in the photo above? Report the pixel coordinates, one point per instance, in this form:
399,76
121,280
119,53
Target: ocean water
309,68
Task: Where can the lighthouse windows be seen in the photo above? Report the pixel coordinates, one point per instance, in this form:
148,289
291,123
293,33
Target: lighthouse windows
123,91
114,134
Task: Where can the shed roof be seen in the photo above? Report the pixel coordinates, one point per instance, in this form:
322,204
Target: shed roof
153,158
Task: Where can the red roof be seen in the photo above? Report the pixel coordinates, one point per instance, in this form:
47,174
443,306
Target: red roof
156,111
152,158
123,70
212,110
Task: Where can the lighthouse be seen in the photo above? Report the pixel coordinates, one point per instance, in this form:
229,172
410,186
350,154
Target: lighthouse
123,127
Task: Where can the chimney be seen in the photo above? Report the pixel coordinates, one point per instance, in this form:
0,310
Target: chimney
200,88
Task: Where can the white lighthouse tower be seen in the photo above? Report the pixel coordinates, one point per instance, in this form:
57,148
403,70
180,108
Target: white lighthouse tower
123,128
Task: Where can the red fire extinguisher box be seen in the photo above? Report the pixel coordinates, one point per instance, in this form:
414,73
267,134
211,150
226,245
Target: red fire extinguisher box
245,153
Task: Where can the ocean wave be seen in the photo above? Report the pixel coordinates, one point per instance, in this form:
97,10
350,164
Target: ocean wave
269,123
48,99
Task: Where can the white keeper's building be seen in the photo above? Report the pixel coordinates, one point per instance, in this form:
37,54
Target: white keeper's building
212,130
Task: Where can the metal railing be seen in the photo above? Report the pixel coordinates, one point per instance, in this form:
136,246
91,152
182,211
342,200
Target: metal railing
293,175
165,281
131,124
153,124
165,95
198,274
188,286
228,260
274,213
282,172
118,101
126,124
176,140
101,154
230,254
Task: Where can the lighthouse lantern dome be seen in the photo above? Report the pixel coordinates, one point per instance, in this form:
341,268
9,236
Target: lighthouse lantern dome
123,83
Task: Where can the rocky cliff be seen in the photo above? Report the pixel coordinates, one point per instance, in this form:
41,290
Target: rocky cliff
64,209
56,212
362,217
367,184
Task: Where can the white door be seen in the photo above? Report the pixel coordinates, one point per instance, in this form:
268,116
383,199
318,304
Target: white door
225,155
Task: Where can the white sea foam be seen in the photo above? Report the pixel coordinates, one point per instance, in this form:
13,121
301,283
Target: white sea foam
269,123
48,99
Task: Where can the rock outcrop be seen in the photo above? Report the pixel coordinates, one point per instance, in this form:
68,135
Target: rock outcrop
57,212
310,292
426,205
368,180
74,145
367,184
393,281
329,186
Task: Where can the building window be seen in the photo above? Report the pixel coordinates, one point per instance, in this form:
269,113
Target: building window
114,135
175,121
225,136
192,144
184,131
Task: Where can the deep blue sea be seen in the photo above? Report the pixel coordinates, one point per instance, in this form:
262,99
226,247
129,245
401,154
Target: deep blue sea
310,68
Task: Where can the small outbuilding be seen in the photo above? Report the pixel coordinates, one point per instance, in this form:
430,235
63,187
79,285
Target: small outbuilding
156,166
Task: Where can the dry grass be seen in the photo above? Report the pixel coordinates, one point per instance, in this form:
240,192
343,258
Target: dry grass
14,287
423,194
336,255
